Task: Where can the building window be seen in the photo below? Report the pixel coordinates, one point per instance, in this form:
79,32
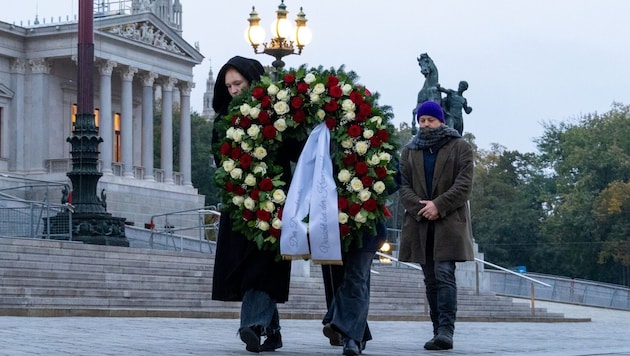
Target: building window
117,137
74,116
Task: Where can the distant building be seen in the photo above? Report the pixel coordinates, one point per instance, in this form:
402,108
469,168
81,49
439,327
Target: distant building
208,112
139,53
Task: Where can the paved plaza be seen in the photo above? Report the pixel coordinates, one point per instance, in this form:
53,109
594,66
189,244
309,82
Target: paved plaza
607,334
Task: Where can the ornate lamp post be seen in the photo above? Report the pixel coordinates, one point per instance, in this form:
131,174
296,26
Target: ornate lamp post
284,39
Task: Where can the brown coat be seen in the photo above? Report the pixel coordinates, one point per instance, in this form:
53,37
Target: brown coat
452,187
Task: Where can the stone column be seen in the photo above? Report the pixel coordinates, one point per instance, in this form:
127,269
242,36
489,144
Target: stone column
147,124
106,125
126,117
185,141
37,121
167,129
16,127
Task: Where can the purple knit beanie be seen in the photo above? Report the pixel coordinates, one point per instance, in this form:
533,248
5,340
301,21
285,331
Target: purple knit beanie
430,108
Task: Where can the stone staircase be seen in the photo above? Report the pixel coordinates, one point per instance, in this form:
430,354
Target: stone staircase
61,278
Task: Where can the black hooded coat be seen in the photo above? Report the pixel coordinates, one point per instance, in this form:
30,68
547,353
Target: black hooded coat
239,264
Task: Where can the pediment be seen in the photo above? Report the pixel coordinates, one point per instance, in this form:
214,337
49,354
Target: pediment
148,29
5,92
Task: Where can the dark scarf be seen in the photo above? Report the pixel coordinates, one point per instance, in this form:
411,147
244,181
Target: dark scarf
250,69
432,139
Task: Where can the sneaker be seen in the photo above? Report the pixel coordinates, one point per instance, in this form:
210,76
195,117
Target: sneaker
272,342
250,335
335,337
351,348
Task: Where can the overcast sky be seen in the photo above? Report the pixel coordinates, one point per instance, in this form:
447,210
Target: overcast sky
526,61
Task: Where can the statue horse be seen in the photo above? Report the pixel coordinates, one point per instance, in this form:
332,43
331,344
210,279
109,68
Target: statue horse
429,90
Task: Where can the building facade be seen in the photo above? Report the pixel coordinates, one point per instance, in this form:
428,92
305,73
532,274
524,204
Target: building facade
142,65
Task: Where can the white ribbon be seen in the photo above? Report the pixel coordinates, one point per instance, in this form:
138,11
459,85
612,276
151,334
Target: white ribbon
312,193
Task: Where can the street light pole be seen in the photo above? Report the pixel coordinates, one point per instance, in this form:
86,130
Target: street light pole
284,39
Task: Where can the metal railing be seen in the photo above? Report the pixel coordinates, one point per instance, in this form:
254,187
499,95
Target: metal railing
174,229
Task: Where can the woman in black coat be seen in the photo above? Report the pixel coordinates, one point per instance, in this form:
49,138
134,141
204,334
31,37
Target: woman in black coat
242,272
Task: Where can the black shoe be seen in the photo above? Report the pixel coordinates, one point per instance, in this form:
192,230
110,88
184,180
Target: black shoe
250,335
351,348
272,342
441,342
335,338
430,345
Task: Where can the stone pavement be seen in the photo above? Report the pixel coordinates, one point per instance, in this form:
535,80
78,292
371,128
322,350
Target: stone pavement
607,334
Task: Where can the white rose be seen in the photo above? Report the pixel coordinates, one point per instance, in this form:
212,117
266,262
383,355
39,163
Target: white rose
321,114
384,156
268,206
262,225
250,180
374,160
260,168
260,152
346,89
367,134
356,184
314,98
349,115
253,112
360,218
344,176
343,218
245,146
283,95
245,108
376,119
238,135
280,125
348,105
272,90
236,173
230,133
319,88
228,165
253,131
249,203
364,195
347,143
361,147
309,78
278,196
281,107
237,200
379,187
276,223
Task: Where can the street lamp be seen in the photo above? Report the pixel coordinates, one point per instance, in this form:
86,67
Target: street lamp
284,39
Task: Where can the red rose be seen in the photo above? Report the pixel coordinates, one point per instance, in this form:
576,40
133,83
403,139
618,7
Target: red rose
342,203
331,106
344,230
365,109
375,141
289,78
255,194
265,102
383,135
266,184
236,153
263,118
381,172
269,132
350,159
367,92
370,204
258,93
354,130
245,122
297,102
235,120
335,92
356,98
274,232
226,148
229,186
245,160
238,190
361,168
299,116
332,81
302,88
354,209
280,210
367,181
330,123
263,215
248,215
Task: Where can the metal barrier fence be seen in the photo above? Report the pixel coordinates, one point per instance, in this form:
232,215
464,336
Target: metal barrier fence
185,229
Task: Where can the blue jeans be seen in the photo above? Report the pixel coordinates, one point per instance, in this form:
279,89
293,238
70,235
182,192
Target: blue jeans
441,290
259,309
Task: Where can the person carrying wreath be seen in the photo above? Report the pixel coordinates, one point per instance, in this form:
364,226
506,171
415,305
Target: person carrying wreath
436,169
243,272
